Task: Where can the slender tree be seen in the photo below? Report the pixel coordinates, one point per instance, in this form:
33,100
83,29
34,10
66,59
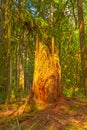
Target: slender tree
8,15
82,43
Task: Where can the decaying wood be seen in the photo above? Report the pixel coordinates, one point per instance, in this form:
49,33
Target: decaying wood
47,76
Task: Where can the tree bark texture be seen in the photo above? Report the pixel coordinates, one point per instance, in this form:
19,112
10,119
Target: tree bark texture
8,17
47,75
82,44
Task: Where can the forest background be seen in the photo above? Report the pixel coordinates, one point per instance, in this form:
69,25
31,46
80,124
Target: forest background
21,22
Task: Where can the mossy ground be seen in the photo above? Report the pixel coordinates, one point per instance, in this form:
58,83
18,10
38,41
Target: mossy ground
66,114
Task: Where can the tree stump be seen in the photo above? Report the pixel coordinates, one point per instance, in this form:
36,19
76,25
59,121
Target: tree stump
47,75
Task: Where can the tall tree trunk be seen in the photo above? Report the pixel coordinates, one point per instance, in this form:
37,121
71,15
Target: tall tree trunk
43,10
2,18
20,67
82,44
3,70
51,23
8,16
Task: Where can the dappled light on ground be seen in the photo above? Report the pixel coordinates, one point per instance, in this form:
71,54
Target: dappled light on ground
69,114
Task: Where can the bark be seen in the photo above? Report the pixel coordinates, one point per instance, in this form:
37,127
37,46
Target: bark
26,71
9,67
1,21
47,75
20,67
43,9
82,44
3,70
51,15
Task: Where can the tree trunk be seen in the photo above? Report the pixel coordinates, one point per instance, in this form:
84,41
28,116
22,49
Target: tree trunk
3,70
82,44
47,73
43,10
9,67
2,18
20,67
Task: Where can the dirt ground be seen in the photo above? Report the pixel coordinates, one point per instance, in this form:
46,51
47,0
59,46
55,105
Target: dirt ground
66,114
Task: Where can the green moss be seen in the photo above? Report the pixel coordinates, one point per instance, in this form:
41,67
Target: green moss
70,127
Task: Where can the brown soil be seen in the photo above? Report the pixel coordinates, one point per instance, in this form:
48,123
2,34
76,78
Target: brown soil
68,114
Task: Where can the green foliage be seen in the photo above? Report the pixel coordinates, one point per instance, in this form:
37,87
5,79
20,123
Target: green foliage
30,18
57,1
68,92
2,97
15,125
70,127
32,126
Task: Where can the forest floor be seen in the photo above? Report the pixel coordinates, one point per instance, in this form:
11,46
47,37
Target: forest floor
66,114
